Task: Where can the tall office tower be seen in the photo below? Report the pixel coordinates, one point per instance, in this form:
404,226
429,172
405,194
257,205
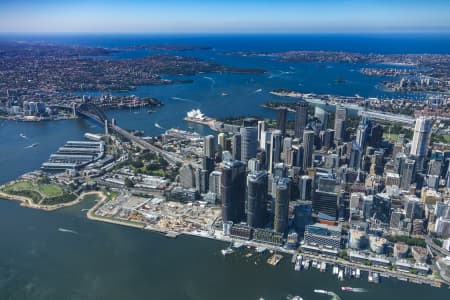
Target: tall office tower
308,149
257,199
249,143
281,211
207,164
287,146
381,208
301,119
209,149
323,116
236,146
326,138
325,203
362,133
275,149
201,180
281,120
339,123
396,218
232,190
280,170
253,165
187,176
413,208
435,167
355,156
421,138
407,173
375,136
215,182
302,216
261,134
228,144
305,188
221,140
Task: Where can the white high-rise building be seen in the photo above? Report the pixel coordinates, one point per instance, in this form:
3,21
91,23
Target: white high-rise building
421,138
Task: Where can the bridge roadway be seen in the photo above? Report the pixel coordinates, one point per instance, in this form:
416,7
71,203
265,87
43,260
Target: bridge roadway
170,157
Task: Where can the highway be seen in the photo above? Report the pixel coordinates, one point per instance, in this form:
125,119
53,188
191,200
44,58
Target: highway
170,157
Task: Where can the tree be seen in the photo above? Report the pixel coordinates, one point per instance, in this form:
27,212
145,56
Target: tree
128,182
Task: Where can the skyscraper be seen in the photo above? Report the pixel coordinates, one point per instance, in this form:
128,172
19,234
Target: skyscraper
261,134
421,138
362,133
281,211
209,149
323,116
407,173
232,190
301,119
308,149
249,143
281,120
339,123
236,146
275,149
256,199
221,140
305,188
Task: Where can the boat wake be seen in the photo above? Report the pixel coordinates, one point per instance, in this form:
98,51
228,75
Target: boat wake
185,100
23,136
159,126
257,91
32,146
213,82
359,290
67,230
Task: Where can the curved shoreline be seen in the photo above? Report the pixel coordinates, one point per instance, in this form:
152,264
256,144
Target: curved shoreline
28,202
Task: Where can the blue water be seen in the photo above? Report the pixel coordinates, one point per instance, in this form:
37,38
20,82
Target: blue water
104,261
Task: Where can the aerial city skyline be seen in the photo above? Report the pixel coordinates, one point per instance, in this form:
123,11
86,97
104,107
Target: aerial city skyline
221,150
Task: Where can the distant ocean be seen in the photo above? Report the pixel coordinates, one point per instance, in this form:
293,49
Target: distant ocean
364,43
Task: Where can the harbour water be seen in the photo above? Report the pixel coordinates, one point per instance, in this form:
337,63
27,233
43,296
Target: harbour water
92,260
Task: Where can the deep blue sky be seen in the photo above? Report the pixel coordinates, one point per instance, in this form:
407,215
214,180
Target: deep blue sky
150,16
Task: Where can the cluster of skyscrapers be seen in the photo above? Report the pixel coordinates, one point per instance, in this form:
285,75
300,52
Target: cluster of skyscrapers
279,181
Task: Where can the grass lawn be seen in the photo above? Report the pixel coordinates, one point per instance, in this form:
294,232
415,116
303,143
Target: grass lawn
20,186
50,190
394,136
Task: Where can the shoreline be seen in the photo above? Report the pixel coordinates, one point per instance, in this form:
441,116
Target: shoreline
25,202
28,202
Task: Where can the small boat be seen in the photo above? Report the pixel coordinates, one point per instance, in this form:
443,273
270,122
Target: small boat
294,259
237,245
23,136
307,264
261,249
151,111
347,289
341,275
358,273
335,270
227,251
323,266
